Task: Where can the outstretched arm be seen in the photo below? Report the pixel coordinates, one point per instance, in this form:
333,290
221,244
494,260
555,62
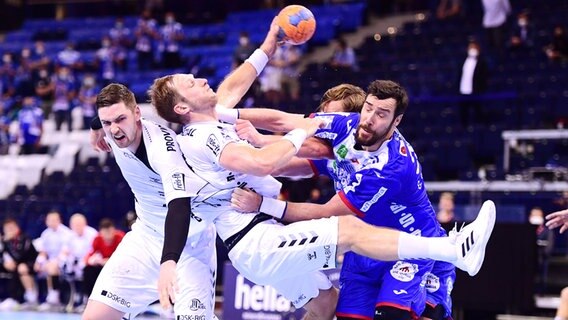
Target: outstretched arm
260,162
249,201
238,82
558,219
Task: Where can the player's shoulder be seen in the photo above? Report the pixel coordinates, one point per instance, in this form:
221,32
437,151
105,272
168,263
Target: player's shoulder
158,137
399,152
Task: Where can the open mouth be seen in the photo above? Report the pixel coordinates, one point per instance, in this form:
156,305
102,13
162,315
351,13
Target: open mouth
119,137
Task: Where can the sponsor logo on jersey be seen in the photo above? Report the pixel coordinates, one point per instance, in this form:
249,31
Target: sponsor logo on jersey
213,144
170,141
404,271
432,282
367,205
196,305
327,253
326,135
116,298
402,150
312,256
342,151
190,317
178,181
399,292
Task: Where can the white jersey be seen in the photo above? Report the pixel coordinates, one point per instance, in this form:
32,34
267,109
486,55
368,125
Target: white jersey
53,241
202,144
164,177
79,246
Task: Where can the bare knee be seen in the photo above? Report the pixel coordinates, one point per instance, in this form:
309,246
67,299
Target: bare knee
23,269
99,311
323,306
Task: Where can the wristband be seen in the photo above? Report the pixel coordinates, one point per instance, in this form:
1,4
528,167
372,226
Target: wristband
297,137
273,207
226,114
258,59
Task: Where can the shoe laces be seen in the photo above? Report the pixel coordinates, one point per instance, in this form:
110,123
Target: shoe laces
456,231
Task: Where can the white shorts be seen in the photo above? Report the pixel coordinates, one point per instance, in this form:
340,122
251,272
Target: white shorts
129,280
289,257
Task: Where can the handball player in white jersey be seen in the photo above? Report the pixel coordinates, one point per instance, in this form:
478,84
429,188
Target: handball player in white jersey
152,163
266,252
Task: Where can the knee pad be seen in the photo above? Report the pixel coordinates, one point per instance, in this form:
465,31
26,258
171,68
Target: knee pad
437,313
392,313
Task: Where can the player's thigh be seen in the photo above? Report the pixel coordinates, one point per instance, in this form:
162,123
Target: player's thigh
403,285
439,286
357,299
196,275
301,289
96,310
128,281
272,252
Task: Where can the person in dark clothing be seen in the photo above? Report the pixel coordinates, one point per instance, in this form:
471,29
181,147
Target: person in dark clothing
19,257
473,82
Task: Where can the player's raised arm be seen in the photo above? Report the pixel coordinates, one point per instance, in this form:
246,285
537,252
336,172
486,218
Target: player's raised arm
238,82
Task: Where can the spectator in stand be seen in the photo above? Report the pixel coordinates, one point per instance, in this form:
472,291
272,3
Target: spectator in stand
445,214
39,58
106,60
24,80
104,244
523,33
558,47
171,35
70,58
120,37
281,74
5,138
30,119
87,98
473,81
51,244
19,256
44,90
243,50
75,252
146,33
7,76
447,9
343,56
241,53
64,93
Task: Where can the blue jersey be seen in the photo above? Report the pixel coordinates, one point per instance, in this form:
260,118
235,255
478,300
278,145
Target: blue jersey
384,187
30,119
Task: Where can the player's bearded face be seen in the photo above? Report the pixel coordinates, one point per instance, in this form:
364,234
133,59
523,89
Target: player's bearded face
377,121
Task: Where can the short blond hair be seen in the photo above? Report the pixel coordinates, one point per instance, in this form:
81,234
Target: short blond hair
352,96
164,96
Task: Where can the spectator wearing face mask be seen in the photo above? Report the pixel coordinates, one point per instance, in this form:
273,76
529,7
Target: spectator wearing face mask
30,119
64,93
146,33
171,34
243,50
105,61
120,37
87,98
44,89
70,58
523,33
473,81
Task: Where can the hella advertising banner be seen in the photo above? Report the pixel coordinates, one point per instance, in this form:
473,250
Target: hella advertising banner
248,301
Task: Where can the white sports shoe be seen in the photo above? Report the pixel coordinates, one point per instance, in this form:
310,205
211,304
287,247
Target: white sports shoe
472,239
9,305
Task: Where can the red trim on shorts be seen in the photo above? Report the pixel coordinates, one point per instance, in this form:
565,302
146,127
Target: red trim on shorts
350,315
398,306
355,210
312,115
431,304
314,169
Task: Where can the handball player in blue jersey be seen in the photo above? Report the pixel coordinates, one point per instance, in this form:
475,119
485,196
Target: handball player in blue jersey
377,175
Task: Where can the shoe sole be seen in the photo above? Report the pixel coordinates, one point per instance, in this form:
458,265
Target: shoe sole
488,207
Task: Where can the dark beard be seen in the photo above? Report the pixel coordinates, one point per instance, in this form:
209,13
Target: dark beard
375,137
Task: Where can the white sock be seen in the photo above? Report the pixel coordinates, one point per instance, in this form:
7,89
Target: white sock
30,296
414,247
